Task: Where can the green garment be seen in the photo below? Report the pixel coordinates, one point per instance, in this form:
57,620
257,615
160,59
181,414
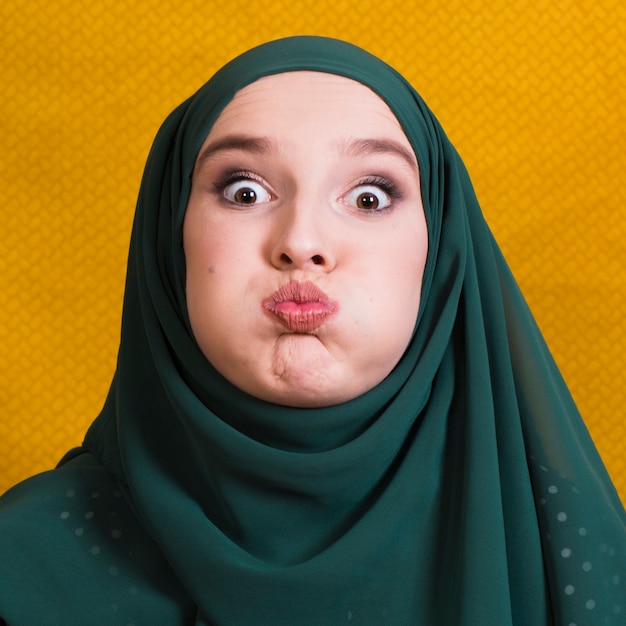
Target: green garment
463,489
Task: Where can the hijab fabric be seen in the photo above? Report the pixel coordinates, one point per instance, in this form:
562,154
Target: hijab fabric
463,489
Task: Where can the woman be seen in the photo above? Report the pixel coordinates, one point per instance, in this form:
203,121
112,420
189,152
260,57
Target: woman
331,402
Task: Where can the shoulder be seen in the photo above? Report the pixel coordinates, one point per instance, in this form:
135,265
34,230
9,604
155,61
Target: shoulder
72,551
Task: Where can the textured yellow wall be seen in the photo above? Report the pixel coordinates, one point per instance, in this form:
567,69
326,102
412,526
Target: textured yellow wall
532,93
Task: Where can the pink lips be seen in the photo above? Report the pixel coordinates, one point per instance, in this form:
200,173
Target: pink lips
300,306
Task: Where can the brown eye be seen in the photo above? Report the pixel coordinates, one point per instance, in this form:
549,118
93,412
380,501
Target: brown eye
369,198
245,195
246,192
367,201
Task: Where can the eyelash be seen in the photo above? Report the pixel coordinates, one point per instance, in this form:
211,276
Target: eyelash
387,186
233,177
238,176
382,182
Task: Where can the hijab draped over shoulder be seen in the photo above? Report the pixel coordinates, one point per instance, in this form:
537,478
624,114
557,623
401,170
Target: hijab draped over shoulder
463,489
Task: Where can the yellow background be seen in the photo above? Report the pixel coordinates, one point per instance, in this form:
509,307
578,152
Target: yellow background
531,92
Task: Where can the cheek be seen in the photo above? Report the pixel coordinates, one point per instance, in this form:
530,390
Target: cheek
202,261
220,265
401,283
211,250
201,266
202,245
400,304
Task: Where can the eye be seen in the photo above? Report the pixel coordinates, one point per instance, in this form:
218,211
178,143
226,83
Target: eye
246,192
368,197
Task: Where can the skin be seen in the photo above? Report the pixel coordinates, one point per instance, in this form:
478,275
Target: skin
296,204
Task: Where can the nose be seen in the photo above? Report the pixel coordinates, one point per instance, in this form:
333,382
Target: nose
302,239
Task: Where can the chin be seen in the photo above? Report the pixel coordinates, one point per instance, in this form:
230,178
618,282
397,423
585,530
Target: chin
303,397
319,397
314,402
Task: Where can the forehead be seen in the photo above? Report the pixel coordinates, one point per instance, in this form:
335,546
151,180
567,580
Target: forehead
291,102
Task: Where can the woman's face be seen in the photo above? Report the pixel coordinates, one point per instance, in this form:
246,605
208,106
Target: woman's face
305,240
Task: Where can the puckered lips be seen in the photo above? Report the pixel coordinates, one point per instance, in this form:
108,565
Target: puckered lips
300,306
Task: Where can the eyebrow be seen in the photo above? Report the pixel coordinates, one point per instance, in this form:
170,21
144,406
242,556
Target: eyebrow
244,143
364,147
263,145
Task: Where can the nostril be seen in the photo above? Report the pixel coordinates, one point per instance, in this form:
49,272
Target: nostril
285,259
317,259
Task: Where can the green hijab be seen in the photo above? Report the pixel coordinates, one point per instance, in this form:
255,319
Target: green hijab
463,489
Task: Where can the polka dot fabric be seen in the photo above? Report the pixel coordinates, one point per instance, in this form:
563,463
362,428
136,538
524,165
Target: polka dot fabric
566,520
90,556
